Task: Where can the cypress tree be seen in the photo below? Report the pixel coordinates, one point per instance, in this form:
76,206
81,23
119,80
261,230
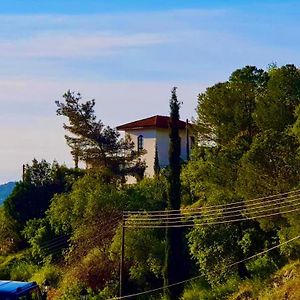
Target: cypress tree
156,163
174,252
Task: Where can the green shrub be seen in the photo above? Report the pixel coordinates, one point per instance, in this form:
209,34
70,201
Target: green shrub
49,272
22,271
7,263
201,290
262,267
72,292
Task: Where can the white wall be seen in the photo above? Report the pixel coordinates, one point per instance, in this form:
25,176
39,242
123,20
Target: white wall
157,137
163,142
149,136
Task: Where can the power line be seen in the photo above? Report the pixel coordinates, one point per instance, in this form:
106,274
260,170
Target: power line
55,239
205,208
200,214
214,206
197,277
211,223
171,221
51,243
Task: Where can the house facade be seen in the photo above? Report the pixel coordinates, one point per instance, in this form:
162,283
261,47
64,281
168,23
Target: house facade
152,135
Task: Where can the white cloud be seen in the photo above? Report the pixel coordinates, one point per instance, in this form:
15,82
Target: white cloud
77,36
70,45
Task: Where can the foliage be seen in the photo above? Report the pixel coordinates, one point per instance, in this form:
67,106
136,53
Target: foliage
201,290
248,152
216,247
225,110
44,242
248,147
285,284
9,235
282,284
7,262
271,166
22,271
174,154
91,200
17,266
148,194
95,144
175,263
31,198
144,255
93,270
90,214
277,102
49,272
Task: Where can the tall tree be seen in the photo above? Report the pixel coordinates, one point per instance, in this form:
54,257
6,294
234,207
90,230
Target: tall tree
156,166
31,197
249,119
277,103
225,110
95,144
174,252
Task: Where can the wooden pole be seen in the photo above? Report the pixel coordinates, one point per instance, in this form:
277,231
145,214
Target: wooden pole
187,140
23,172
122,259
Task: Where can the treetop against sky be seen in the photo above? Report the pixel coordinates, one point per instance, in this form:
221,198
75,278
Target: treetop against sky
127,55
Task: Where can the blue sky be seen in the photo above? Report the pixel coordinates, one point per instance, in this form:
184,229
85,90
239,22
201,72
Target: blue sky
92,6
127,55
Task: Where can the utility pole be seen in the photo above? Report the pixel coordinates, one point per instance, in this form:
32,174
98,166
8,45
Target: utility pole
23,172
187,139
122,258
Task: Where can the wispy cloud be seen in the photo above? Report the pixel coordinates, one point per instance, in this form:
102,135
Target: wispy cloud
77,36
173,44
127,61
70,45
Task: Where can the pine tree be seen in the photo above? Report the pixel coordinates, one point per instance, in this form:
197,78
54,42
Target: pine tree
97,145
174,253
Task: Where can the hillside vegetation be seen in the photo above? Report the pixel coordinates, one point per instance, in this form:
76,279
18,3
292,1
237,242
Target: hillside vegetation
239,198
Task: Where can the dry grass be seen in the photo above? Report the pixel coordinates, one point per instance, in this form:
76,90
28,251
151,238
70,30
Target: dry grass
285,284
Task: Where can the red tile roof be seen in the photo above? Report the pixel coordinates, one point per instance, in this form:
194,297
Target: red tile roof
151,122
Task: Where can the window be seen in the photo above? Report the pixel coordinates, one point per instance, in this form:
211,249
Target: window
140,144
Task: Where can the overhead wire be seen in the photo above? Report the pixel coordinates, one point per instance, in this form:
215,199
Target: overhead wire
197,277
54,239
213,206
133,225
52,243
204,214
58,244
230,212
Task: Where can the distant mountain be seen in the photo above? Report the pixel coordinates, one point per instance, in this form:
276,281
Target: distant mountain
5,190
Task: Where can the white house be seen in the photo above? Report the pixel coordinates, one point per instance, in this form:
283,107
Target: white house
153,133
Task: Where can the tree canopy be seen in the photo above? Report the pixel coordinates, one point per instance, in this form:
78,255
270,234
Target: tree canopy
97,145
31,197
68,223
